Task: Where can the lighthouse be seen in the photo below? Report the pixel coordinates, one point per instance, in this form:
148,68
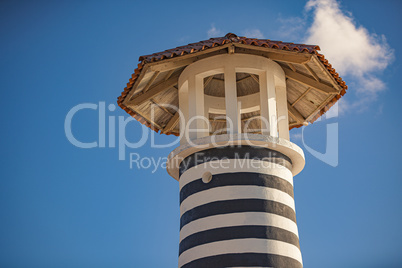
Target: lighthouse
232,101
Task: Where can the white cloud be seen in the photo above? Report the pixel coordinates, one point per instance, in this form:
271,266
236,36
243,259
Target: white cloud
253,33
214,32
350,48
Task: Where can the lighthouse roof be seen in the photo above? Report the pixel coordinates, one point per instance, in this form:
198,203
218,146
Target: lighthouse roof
313,85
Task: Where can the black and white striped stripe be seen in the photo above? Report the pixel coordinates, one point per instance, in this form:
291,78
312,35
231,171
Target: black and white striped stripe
245,216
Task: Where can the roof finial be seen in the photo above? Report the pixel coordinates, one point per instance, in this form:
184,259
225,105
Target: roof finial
231,36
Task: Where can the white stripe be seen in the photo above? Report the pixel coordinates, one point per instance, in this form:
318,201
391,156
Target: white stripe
248,245
238,219
236,165
234,193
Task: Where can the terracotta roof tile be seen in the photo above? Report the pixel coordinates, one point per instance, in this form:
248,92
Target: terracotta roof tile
229,38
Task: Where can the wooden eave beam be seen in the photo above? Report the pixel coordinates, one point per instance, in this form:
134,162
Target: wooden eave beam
295,114
313,74
151,80
301,96
305,80
325,70
169,74
160,106
278,55
172,123
137,82
291,66
322,105
153,91
146,118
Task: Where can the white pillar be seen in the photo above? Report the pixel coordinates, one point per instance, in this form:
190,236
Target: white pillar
183,107
273,118
231,99
282,109
268,104
206,115
264,103
197,126
239,116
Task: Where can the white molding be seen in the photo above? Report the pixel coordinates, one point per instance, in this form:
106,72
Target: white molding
286,147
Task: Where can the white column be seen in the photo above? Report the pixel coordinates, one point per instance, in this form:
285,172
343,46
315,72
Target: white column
183,107
206,114
239,116
196,123
264,104
231,100
268,104
273,118
282,109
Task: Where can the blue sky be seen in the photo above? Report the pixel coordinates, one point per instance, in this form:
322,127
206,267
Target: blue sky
63,206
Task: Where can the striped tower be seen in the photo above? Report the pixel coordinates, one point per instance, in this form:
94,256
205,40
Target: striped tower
236,204
236,189
232,101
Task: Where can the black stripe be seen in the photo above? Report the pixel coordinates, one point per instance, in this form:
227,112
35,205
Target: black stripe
237,205
245,260
238,232
238,178
234,152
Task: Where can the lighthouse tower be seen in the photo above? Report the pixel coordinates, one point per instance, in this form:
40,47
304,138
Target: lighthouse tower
232,101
